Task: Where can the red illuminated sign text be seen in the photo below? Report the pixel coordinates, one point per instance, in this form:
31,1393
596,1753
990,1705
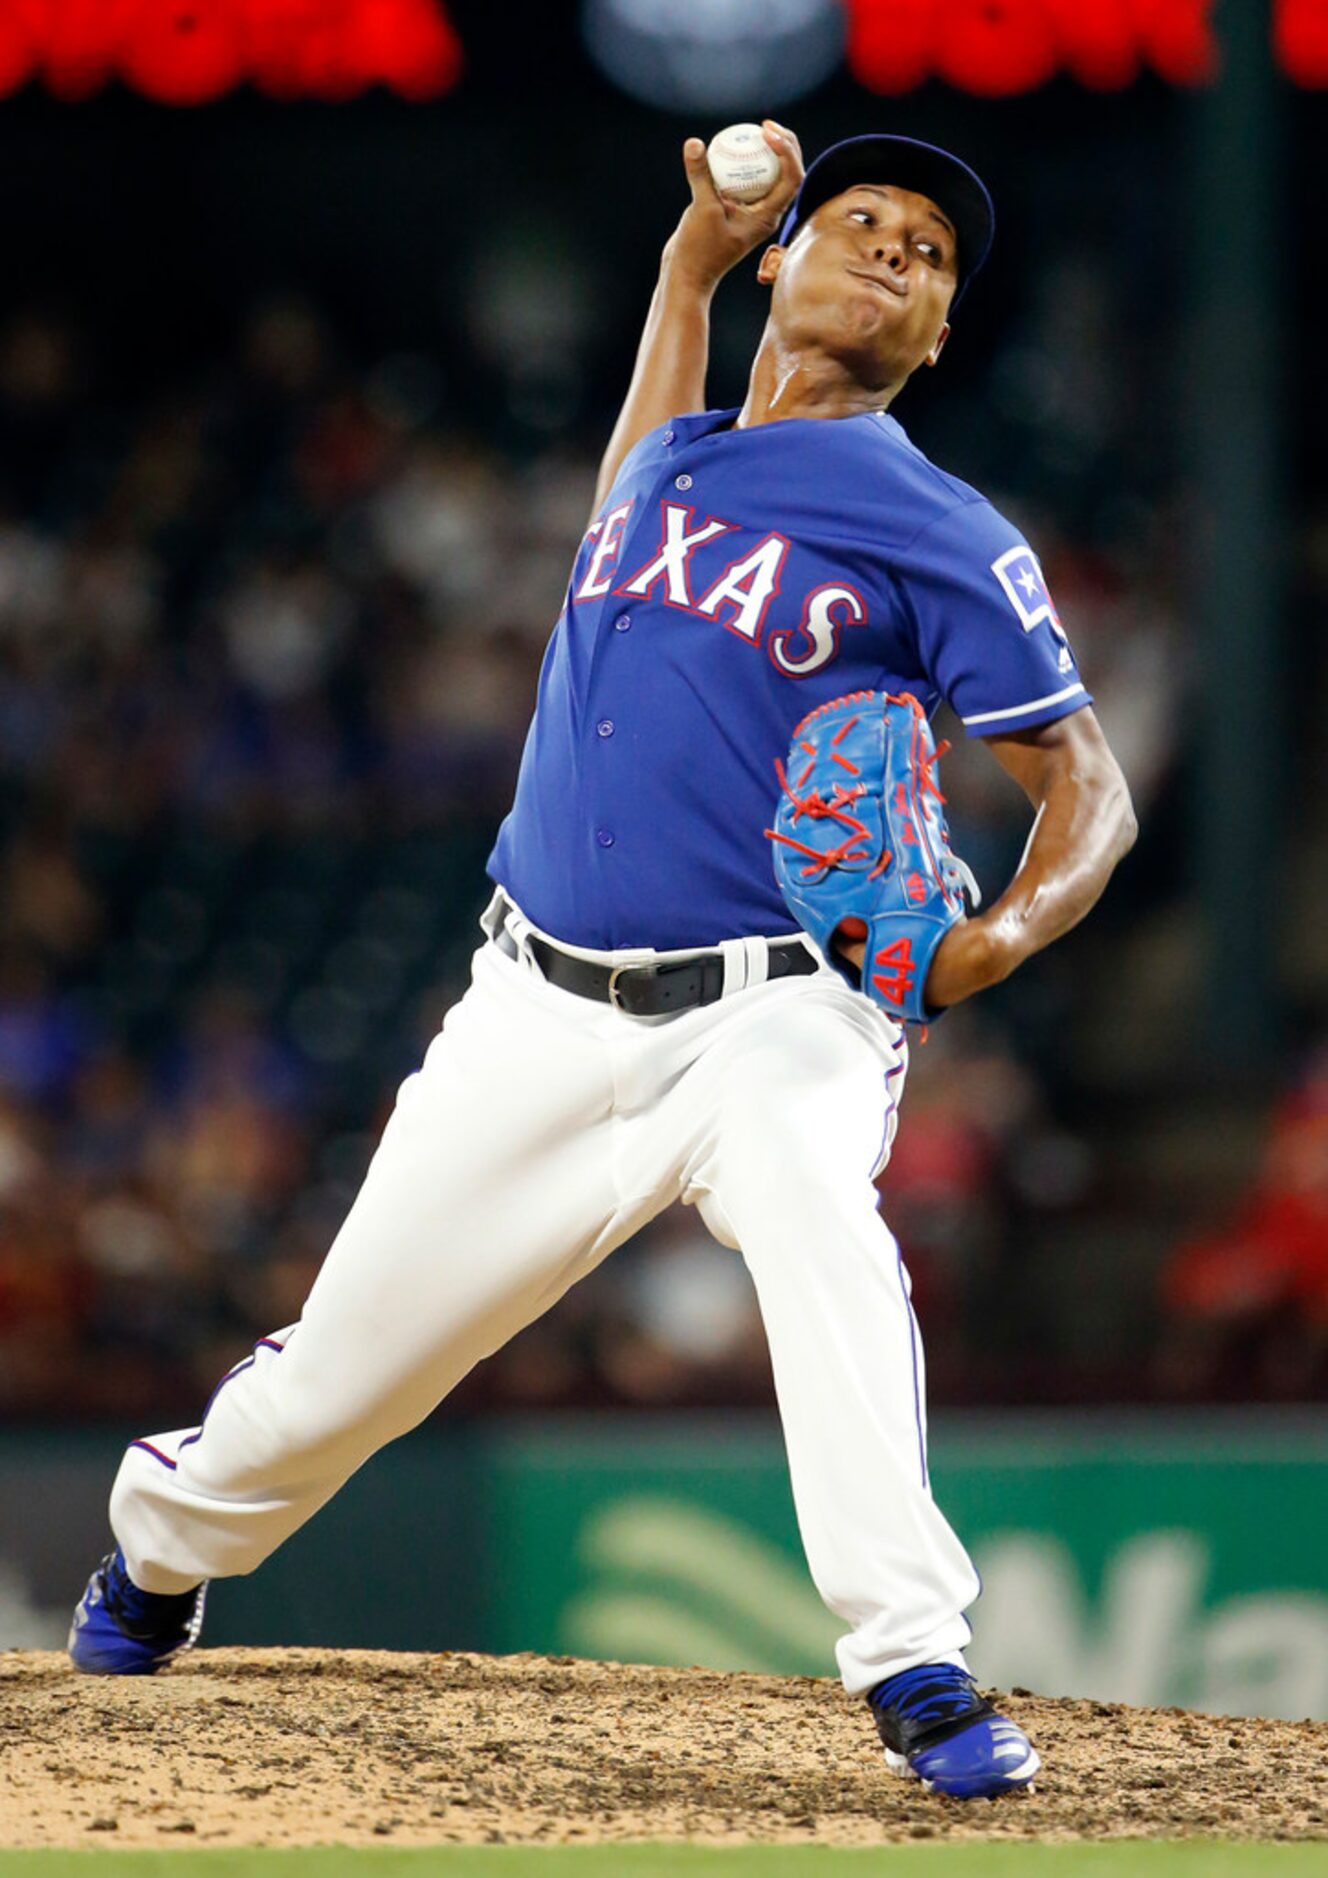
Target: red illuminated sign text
1300,34
189,51
999,48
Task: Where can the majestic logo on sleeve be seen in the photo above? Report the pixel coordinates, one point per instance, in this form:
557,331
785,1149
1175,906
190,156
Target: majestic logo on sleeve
737,596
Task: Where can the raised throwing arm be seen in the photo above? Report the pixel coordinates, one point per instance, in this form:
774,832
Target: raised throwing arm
713,235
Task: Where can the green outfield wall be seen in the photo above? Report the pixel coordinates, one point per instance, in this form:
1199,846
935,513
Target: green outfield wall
1129,1558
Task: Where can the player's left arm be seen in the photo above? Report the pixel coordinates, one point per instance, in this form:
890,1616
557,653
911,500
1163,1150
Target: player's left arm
1084,823
991,642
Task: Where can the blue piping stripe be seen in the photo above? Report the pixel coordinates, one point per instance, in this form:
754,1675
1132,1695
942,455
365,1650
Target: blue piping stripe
913,1355
247,1362
913,1335
156,1453
230,1376
885,1134
890,1106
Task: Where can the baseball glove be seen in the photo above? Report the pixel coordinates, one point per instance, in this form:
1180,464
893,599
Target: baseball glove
861,846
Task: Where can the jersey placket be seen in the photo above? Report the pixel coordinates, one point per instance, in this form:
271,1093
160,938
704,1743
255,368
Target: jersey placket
618,686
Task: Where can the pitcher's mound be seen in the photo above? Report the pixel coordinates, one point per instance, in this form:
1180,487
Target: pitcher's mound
302,1747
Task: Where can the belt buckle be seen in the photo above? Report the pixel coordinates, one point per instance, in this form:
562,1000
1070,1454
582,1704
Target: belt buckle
621,971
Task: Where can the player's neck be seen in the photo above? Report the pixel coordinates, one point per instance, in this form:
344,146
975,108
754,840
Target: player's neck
793,383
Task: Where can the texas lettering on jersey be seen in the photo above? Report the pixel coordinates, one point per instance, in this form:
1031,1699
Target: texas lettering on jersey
737,595
726,561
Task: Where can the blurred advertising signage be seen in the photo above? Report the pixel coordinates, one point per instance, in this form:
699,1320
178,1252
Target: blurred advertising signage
999,48
191,51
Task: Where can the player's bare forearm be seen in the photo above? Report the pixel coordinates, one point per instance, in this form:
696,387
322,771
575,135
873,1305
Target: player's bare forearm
713,235
1084,825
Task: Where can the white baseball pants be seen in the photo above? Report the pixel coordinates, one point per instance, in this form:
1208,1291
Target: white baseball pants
542,1130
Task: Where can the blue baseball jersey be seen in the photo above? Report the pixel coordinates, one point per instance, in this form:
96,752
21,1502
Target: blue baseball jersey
733,580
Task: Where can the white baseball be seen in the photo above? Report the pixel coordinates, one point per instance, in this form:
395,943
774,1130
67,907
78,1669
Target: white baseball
742,163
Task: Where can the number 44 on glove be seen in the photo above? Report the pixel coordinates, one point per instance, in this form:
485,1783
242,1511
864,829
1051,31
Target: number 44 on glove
861,846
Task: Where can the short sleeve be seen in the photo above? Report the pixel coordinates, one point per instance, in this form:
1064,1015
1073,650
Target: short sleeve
988,633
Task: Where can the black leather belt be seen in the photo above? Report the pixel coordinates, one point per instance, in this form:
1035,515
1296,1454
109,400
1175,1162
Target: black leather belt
651,990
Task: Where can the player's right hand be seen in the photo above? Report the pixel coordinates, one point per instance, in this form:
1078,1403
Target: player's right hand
715,232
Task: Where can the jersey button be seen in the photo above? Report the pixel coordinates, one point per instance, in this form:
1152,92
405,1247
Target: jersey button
682,482
604,728
623,623
604,836
668,436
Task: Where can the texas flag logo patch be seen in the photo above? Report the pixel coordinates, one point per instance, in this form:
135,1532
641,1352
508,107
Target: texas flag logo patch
1020,574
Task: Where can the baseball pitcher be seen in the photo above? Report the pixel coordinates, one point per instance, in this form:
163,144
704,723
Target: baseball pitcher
723,892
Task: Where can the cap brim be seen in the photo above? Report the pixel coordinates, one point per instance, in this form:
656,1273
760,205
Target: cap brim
958,192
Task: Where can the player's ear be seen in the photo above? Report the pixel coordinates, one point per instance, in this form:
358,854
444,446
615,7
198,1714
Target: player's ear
934,355
771,261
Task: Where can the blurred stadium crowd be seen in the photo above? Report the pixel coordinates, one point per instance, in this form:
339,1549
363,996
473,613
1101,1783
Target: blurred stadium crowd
268,646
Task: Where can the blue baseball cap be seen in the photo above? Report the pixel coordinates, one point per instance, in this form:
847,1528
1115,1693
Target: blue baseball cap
957,191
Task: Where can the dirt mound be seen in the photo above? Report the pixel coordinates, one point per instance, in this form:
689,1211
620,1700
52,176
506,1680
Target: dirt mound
298,1747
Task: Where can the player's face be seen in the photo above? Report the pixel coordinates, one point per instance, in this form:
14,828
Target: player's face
868,278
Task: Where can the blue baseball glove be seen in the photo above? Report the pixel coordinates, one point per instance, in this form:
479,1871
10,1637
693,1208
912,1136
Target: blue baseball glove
861,846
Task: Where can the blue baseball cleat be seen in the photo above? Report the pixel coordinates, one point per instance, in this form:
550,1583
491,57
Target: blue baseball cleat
939,1730
119,1630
